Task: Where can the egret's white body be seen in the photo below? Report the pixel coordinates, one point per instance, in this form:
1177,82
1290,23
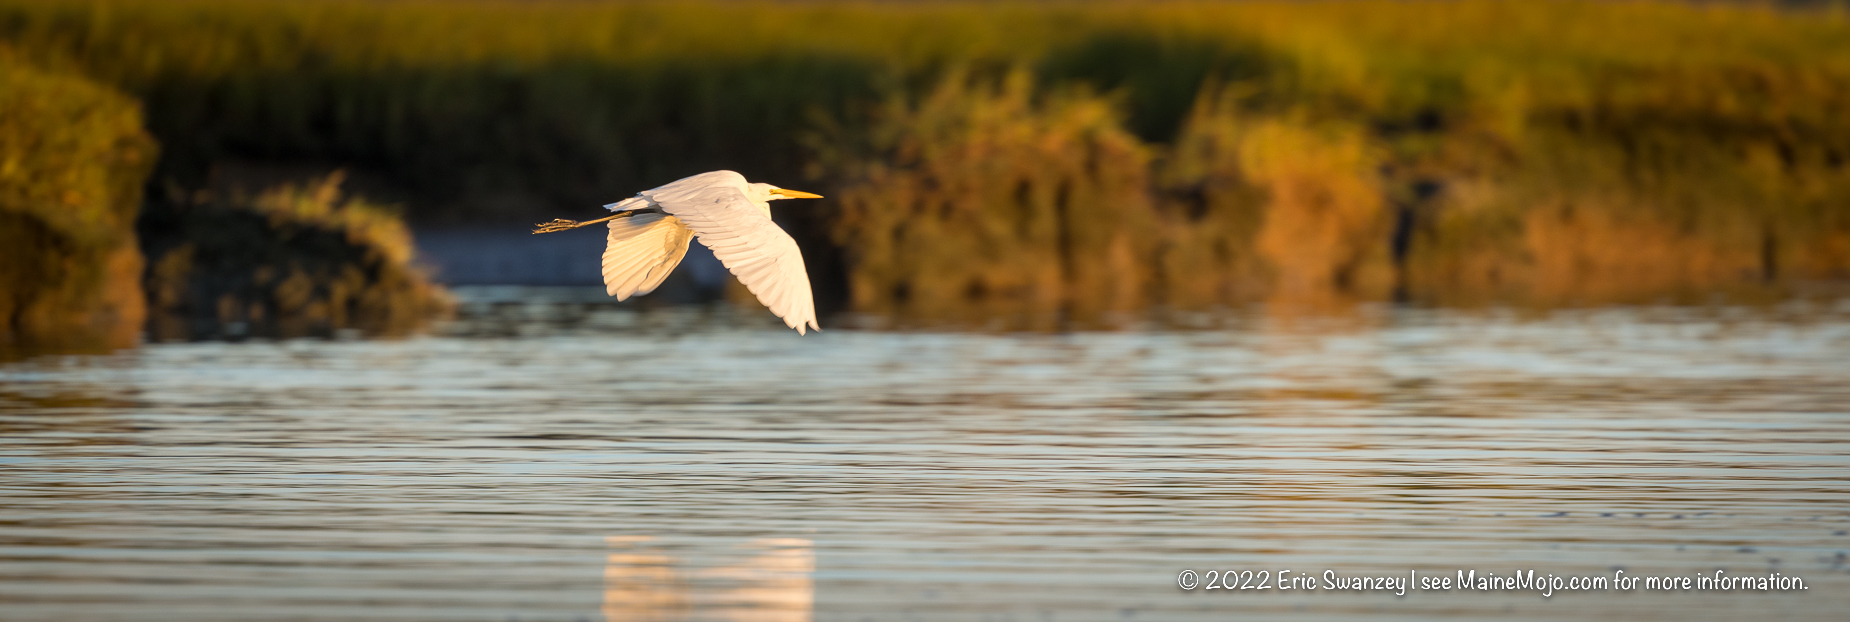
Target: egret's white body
727,214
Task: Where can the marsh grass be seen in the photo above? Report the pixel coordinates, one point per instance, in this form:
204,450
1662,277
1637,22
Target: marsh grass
977,192
73,157
292,260
1073,156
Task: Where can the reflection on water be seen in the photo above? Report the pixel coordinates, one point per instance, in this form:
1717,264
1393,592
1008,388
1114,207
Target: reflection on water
579,462
771,584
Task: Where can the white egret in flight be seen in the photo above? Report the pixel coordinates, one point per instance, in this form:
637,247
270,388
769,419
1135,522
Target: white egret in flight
650,231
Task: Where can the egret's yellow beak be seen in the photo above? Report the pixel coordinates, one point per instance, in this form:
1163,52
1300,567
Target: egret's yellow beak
795,194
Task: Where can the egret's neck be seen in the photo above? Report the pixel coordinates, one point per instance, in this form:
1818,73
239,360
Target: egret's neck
759,196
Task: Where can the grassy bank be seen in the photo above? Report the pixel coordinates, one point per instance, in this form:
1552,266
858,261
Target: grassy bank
1083,156
73,157
292,260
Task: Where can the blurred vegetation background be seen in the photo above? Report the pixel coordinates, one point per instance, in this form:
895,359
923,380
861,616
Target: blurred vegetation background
983,159
73,155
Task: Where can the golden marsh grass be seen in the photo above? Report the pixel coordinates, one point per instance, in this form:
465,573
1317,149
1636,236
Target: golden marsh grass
1061,155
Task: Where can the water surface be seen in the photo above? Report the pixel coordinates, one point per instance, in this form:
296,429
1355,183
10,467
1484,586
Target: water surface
561,462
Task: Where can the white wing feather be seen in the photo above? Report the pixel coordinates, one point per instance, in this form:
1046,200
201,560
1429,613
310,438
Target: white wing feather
641,251
741,234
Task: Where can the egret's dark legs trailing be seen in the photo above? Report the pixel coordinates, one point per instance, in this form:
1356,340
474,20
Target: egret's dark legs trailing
561,224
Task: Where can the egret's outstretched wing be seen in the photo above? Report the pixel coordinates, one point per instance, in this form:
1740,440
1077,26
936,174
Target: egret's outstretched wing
688,186
742,235
641,251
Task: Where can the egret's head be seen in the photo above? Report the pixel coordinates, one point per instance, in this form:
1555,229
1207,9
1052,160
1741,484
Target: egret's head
768,192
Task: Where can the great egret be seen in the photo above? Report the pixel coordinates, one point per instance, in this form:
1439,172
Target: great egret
650,231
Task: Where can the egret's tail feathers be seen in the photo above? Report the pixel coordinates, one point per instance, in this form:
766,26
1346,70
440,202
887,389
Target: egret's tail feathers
641,251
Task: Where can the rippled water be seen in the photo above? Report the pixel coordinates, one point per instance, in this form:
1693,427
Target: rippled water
566,463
